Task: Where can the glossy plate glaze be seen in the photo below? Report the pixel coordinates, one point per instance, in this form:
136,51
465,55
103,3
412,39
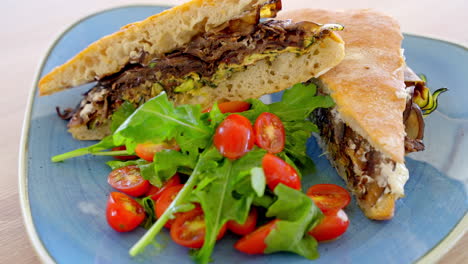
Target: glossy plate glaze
64,203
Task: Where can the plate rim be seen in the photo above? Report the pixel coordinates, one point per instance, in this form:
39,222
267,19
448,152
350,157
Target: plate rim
431,256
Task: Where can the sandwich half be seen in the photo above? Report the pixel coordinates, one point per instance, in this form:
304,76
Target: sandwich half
365,135
201,52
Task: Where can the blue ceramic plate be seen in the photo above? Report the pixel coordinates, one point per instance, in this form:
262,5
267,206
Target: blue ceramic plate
64,203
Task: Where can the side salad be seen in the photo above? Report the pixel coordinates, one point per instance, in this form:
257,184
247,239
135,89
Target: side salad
235,166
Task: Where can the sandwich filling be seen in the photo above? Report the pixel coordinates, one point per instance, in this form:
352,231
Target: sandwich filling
368,172
207,60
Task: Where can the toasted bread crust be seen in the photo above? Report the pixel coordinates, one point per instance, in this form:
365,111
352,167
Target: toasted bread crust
155,35
384,209
368,85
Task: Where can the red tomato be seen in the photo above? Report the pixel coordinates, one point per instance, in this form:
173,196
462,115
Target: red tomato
245,228
234,136
231,107
254,243
329,197
188,229
146,151
123,213
166,198
156,192
269,133
128,180
278,171
123,157
331,227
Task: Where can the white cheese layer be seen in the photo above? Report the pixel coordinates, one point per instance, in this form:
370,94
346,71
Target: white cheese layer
394,178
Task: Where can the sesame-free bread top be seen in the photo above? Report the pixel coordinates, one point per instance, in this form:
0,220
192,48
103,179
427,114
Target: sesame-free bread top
155,35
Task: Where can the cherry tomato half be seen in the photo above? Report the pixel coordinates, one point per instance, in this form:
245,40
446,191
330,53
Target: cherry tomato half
254,243
166,198
188,229
128,180
123,213
278,171
156,192
331,227
147,151
330,198
123,157
269,132
234,136
231,107
247,227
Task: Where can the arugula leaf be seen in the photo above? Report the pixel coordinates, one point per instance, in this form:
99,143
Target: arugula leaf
225,193
115,164
158,120
216,116
297,214
150,210
105,143
148,172
296,143
244,165
119,116
298,102
168,162
256,108
265,201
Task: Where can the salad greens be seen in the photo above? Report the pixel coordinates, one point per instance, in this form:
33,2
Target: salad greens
226,189
299,215
119,116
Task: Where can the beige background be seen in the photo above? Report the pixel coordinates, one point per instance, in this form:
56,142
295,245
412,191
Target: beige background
29,27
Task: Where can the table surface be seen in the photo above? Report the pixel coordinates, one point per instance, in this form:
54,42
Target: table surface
30,27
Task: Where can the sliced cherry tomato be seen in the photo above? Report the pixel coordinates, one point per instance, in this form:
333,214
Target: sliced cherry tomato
247,227
123,157
146,151
166,198
254,243
234,136
123,213
278,171
128,180
331,227
156,192
231,107
188,229
330,198
269,132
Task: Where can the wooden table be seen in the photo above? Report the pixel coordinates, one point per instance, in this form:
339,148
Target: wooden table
29,28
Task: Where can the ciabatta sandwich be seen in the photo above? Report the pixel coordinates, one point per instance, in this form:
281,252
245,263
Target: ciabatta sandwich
200,52
364,135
